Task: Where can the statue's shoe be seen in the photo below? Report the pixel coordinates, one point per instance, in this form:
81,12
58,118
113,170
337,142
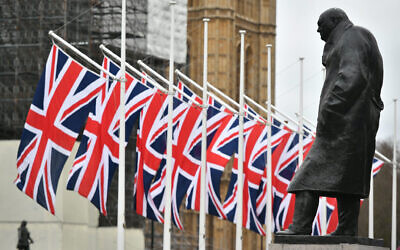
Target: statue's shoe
289,232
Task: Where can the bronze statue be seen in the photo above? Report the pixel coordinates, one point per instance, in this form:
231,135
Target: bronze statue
340,160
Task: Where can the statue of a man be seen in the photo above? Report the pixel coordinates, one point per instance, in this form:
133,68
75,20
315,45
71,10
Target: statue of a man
340,160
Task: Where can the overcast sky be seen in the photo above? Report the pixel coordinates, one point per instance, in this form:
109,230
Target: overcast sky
297,37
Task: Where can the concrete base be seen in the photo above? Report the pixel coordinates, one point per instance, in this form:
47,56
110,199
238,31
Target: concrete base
342,246
304,242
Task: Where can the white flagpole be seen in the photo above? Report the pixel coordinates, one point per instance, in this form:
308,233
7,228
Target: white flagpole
202,219
371,208
239,204
184,77
323,199
83,56
168,175
269,155
175,88
130,67
301,113
121,168
394,185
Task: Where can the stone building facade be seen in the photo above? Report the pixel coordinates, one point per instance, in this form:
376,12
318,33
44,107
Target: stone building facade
227,17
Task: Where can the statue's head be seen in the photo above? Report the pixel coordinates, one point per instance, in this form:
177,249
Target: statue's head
328,20
23,223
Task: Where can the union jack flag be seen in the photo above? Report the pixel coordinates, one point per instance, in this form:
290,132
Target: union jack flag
65,94
254,165
98,153
150,148
187,151
331,217
220,150
284,164
376,166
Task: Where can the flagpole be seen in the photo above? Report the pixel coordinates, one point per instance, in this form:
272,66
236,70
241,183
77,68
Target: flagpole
130,67
323,199
239,204
180,74
224,96
121,168
202,219
83,56
167,213
269,154
174,88
371,207
272,114
289,118
394,185
301,113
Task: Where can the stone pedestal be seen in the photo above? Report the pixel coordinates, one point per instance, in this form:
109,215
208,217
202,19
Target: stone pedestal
304,242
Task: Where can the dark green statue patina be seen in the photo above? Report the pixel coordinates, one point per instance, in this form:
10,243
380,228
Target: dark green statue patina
340,160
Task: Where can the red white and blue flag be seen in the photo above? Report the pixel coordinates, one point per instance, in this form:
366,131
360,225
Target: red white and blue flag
376,166
186,152
220,150
254,165
284,164
98,153
151,148
65,94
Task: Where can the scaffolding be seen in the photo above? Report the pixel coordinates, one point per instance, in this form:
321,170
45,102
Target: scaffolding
24,44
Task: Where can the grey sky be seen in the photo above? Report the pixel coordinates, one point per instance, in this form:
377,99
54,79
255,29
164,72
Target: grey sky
297,37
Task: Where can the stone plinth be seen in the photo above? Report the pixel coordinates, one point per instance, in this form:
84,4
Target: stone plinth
304,242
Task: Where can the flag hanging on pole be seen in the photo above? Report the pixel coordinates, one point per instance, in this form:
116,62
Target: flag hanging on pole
331,217
98,153
254,166
284,164
181,136
187,149
219,152
376,166
65,94
150,148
